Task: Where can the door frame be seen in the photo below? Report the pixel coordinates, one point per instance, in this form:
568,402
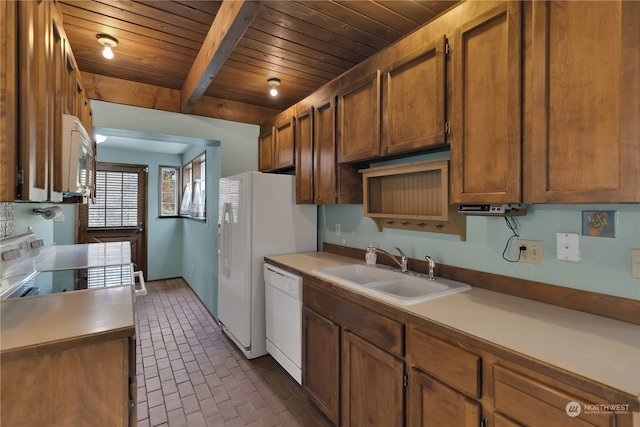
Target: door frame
82,219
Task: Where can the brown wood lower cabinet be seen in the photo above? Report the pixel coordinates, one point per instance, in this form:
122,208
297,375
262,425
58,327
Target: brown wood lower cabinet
352,365
534,401
321,362
356,353
372,384
84,384
434,404
500,420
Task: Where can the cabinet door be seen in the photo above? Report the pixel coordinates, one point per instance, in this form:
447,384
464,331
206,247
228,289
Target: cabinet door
359,120
500,420
283,146
34,104
434,404
585,101
8,99
486,124
265,151
321,362
372,384
57,71
324,146
414,100
537,403
304,156
70,96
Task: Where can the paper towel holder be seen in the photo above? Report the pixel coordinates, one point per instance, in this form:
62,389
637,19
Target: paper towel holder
48,213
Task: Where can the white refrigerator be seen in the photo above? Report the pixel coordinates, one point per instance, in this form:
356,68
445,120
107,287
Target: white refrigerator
258,216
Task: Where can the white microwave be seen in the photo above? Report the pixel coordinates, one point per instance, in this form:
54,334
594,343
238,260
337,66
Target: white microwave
78,158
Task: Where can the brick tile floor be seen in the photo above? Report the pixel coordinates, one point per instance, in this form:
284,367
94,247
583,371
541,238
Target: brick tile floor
190,374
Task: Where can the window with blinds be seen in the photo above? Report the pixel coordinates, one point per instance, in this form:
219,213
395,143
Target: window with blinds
116,203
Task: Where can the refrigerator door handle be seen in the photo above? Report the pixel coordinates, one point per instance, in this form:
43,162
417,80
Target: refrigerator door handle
225,236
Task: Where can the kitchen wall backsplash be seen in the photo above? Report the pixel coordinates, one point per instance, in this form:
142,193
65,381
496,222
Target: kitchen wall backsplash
604,266
7,210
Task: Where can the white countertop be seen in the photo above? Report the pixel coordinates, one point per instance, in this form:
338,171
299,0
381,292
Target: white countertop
594,347
62,319
67,257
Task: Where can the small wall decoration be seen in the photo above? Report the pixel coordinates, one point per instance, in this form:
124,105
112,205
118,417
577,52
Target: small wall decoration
599,223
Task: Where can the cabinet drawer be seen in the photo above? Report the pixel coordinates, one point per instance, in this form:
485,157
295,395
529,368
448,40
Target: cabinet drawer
374,327
534,403
457,367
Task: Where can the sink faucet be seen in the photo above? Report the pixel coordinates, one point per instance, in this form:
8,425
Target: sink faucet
432,266
404,261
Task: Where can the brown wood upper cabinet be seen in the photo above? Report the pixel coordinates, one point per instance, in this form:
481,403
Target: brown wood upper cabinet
414,99
320,179
398,109
304,156
276,145
324,151
283,142
8,99
34,101
35,91
265,151
584,59
359,119
486,142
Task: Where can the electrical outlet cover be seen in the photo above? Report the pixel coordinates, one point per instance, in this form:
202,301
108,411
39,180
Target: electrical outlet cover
568,246
635,263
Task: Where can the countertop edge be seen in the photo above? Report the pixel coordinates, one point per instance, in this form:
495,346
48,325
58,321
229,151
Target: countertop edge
54,346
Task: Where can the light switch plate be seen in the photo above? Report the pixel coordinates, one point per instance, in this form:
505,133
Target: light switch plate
568,246
635,263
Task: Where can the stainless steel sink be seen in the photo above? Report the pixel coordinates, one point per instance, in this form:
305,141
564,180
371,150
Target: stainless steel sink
403,288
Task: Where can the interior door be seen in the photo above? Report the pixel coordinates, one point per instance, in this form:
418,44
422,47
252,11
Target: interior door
120,210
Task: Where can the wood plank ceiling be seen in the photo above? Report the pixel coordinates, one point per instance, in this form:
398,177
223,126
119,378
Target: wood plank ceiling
305,44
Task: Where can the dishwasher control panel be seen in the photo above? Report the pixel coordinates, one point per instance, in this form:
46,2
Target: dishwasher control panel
282,280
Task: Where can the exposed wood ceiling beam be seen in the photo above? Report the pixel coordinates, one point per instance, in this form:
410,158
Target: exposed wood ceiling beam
110,89
228,27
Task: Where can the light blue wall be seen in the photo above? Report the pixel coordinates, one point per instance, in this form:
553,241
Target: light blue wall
200,248
239,140
605,266
24,218
197,241
164,235
64,230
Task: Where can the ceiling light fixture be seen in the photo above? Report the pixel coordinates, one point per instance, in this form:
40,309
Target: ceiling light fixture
108,42
274,83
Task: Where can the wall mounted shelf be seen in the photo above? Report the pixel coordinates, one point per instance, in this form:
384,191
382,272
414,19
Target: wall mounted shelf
412,196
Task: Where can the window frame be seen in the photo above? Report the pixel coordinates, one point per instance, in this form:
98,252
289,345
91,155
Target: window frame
177,190
191,172
117,168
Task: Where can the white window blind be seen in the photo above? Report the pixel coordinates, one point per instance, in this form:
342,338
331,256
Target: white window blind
98,277
116,200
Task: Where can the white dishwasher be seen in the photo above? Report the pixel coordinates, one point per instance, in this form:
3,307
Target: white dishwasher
283,304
